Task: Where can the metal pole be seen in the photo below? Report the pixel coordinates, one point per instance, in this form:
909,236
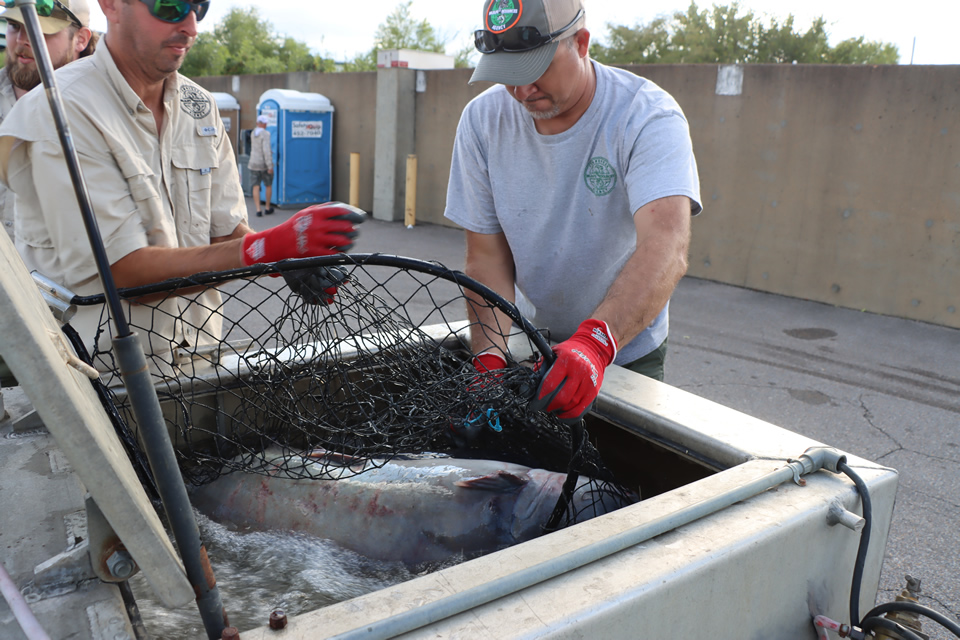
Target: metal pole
20,609
133,366
410,211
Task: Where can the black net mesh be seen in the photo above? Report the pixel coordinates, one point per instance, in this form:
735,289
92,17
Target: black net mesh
384,370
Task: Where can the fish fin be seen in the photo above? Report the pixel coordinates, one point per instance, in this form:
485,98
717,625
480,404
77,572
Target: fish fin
499,482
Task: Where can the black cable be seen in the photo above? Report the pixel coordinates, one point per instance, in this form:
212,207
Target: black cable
889,625
577,445
137,459
857,581
914,607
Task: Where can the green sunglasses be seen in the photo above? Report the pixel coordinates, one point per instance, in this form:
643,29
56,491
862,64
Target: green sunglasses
45,8
176,10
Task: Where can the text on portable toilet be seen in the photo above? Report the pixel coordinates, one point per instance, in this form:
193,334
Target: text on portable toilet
306,129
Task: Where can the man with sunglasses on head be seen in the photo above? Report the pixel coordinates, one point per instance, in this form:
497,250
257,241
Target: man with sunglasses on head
162,179
575,183
68,36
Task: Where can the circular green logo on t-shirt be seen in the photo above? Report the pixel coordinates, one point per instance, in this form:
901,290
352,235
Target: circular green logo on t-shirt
600,176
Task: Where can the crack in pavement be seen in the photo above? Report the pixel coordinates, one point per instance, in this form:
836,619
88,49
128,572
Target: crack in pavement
947,403
920,492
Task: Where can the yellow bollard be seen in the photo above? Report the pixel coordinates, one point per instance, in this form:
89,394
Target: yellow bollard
354,180
410,213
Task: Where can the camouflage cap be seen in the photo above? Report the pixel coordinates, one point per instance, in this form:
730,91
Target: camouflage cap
59,19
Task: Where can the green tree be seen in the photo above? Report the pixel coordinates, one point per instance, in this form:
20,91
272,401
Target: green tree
401,31
362,62
713,35
858,51
465,57
207,57
781,44
723,34
243,43
643,44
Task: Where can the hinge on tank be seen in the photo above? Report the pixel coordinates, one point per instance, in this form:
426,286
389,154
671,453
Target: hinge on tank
98,556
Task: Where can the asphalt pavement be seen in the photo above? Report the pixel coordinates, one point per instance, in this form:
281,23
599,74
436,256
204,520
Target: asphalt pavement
883,388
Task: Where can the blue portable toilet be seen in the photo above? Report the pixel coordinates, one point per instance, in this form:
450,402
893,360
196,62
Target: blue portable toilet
301,132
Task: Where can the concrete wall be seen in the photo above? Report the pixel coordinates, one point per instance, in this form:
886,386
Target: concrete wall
435,131
839,184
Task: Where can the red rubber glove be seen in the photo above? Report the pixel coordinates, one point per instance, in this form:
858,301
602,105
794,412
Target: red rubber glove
571,385
489,361
488,365
319,230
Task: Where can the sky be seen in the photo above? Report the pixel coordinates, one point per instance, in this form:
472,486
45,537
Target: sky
923,30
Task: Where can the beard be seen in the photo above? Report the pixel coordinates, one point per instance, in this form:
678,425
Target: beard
168,66
541,114
549,114
27,76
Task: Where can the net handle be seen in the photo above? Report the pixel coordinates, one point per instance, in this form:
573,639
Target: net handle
353,259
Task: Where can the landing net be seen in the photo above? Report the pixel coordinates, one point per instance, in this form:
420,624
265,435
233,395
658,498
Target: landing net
384,370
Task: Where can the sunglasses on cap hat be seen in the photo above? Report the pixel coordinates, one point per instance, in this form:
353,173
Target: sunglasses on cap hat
176,10
46,8
518,38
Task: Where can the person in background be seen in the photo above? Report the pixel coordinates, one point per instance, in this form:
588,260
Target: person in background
91,46
68,37
261,163
163,182
575,183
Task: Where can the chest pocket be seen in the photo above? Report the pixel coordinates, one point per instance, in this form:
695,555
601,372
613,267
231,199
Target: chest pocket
193,170
141,180
144,187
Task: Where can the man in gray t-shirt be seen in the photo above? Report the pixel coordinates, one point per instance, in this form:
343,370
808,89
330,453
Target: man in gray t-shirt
576,183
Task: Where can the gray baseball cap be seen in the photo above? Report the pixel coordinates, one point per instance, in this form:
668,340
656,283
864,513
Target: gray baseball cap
59,19
509,21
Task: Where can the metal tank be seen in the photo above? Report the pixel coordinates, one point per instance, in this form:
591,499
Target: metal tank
737,542
745,529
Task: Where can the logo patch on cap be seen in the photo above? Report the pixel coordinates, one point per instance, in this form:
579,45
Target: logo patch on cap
503,14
